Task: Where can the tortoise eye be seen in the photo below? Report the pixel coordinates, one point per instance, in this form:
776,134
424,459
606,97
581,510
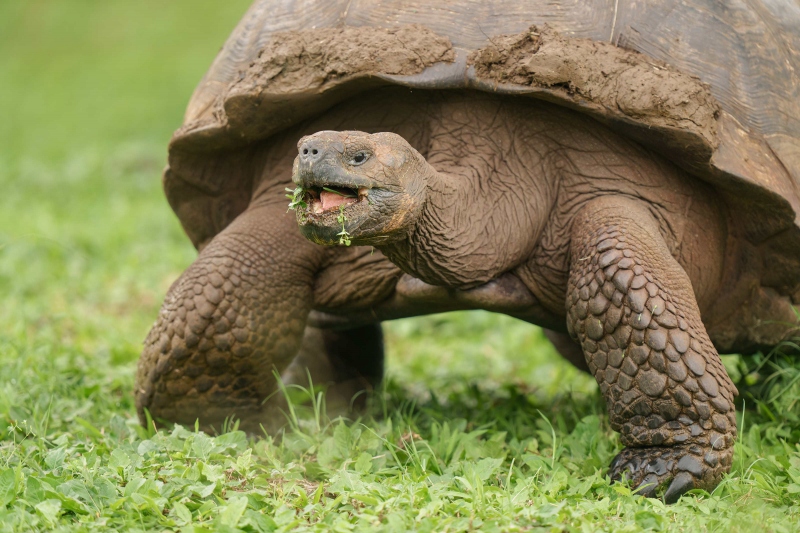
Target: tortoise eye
359,158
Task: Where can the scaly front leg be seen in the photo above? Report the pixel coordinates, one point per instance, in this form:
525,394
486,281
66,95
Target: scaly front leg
632,308
234,317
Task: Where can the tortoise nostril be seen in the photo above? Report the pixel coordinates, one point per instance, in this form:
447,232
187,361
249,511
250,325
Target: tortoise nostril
312,150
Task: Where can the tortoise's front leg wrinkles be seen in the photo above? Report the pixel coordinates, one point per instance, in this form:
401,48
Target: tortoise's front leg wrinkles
234,317
632,308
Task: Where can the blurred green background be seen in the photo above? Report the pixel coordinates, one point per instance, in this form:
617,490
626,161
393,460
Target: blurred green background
90,94
88,74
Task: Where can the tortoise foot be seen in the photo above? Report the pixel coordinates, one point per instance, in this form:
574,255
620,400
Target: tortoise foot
680,468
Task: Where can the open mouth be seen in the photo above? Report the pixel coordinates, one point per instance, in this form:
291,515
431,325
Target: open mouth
330,197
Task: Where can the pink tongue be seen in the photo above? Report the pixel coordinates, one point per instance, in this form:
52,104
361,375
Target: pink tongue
331,200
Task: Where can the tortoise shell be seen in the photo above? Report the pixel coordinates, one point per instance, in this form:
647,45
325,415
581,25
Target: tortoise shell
713,86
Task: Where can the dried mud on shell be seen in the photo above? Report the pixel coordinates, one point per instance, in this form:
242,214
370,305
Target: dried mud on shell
301,60
640,87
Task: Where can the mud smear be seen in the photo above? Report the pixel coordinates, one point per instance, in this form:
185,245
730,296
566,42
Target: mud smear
297,74
640,87
302,60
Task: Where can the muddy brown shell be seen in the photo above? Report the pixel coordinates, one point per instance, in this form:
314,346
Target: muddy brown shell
714,86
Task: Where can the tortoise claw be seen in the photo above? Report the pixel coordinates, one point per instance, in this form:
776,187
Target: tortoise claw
648,486
684,468
682,483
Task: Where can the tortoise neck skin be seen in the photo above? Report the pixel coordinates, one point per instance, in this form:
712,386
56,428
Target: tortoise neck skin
464,210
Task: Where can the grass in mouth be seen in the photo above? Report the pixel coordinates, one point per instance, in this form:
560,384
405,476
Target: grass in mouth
296,198
339,192
344,236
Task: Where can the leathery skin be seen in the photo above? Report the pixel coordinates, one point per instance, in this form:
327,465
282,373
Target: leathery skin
632,308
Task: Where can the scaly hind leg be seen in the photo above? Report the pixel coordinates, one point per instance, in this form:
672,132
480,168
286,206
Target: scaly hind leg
631,306
237,315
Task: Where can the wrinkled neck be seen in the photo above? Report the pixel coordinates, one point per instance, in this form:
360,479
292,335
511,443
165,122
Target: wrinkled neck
472,228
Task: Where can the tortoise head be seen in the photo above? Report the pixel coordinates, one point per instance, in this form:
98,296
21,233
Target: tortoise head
356,187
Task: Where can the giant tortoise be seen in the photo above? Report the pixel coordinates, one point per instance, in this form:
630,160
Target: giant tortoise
623,174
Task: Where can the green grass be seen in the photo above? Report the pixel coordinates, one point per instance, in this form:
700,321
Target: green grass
480,425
